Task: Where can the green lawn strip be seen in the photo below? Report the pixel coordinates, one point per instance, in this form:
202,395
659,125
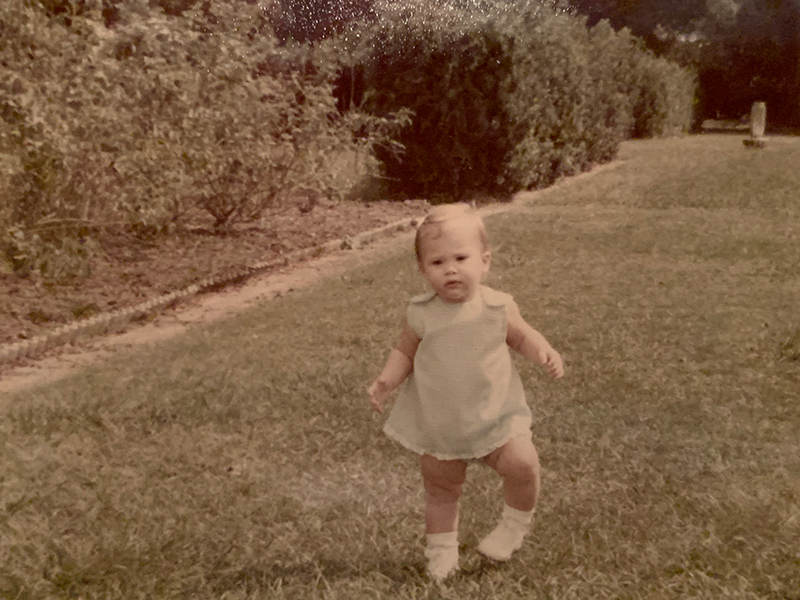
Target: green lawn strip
241,460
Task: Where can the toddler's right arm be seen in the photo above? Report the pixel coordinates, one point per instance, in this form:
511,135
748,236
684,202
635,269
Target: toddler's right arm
399,365
532,345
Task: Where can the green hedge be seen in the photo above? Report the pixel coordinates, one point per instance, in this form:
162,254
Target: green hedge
513,96
454,81
568,101
663,96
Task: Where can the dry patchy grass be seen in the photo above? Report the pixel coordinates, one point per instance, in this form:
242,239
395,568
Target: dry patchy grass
241,461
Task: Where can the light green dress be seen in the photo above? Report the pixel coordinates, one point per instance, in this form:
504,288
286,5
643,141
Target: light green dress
464,397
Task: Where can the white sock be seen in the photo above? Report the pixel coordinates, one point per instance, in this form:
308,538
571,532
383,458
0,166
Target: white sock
518,517
442,554
507,537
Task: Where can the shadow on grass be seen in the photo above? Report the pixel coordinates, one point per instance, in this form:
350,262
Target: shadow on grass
334,569
313,573
725,130
735,128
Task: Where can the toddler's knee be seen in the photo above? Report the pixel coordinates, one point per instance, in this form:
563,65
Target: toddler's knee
442,491
443,480
520,467
524,472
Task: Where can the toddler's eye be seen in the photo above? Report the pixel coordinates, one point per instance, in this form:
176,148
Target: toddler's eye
436,262
461,258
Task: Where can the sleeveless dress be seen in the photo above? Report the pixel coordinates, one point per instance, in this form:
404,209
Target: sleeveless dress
464,398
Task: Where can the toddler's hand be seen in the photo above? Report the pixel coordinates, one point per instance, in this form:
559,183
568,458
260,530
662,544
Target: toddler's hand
378,393
551,360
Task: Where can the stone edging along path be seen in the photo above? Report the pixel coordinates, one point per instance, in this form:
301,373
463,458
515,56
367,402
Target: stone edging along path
117,319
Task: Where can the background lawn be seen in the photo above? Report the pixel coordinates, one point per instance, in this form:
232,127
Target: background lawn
242,461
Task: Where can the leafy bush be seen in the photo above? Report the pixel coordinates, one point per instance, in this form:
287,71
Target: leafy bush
50,254
140,125
211,128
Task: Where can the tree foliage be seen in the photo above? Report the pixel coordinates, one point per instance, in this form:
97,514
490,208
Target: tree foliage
643,17
743,50
754,56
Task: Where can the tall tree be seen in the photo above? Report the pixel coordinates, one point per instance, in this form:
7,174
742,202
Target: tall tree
743,50
757,58
643,17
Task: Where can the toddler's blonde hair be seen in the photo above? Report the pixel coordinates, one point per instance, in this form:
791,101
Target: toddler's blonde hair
431,225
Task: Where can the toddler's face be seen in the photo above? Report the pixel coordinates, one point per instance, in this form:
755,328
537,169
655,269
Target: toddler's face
453,260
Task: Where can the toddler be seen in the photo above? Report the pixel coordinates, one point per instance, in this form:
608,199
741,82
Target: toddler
462,398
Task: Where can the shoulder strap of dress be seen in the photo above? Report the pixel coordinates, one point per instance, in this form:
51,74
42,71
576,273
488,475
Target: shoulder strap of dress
423,298
495,299
415,313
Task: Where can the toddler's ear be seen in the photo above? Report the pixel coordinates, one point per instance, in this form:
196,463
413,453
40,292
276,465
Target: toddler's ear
487,259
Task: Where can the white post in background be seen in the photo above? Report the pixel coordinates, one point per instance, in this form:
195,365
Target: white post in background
758,123
758,120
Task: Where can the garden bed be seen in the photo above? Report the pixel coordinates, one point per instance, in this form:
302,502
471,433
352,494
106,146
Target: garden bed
131,270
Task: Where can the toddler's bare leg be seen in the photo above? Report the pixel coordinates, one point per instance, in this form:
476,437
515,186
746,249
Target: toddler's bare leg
517,462
443,480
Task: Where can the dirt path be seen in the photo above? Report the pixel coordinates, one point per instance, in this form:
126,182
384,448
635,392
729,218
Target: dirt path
200,309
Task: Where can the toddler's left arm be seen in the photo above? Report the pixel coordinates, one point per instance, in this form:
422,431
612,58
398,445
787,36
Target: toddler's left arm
531,344
399,365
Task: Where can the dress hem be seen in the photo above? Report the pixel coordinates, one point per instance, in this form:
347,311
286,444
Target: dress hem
445,456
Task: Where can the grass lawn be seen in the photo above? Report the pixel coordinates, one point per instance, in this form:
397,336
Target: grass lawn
242,461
